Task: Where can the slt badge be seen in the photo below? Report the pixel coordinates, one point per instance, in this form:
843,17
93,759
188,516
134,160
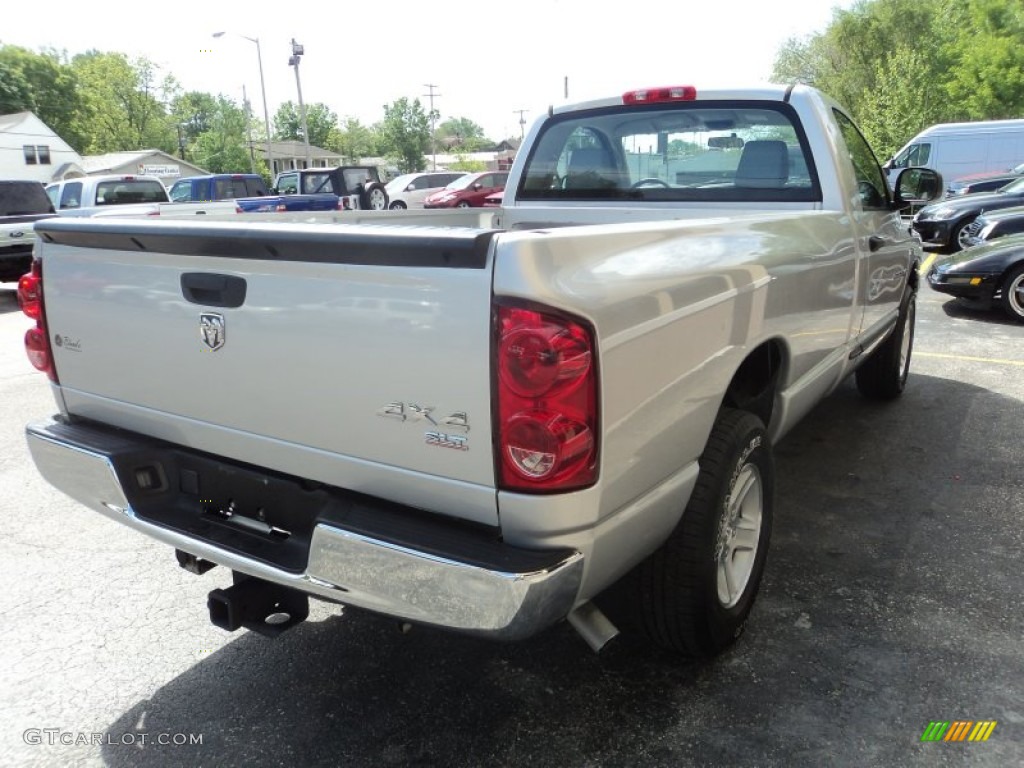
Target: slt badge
411,412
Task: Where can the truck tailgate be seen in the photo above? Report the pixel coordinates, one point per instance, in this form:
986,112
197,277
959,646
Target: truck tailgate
351,355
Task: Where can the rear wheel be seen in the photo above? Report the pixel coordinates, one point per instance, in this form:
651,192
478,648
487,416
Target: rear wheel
697,590
883,376
398,205
463,204
374,197
1013,293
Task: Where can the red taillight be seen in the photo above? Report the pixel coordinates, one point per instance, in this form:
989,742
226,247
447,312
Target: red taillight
660,95
546,401
30,293
281,208
37,347
37,340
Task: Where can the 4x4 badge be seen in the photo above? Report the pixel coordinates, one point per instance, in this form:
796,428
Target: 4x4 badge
211,329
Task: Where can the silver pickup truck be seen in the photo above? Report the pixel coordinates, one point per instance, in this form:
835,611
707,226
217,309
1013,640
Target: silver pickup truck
484,420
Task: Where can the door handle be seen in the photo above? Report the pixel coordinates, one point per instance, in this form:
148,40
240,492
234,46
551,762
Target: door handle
213,290
875,242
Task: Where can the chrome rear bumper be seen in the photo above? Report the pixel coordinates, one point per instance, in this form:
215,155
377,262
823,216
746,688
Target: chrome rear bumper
478,594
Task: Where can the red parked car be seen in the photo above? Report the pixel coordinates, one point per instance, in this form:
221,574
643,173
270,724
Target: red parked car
469,191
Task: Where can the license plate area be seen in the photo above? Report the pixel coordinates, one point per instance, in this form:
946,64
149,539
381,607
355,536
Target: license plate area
252,512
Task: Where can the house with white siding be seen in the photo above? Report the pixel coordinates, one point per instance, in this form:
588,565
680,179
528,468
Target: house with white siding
29,149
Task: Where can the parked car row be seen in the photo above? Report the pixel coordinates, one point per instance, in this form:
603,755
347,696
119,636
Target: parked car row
946,223
411,189
983,182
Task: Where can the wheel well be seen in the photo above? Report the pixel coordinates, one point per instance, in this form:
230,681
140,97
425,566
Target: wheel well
753,385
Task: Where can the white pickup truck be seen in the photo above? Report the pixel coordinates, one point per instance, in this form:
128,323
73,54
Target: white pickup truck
482,421
125,196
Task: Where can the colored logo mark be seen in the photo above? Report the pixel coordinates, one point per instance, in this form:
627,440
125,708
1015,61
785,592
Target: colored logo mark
958,730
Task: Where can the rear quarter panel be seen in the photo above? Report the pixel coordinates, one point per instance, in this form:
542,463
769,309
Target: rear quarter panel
676,307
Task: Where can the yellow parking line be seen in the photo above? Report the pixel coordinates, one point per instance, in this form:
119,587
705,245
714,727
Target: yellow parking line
926,263
968,358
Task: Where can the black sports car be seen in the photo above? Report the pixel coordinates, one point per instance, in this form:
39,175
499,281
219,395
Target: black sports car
944,223
985,275
990,226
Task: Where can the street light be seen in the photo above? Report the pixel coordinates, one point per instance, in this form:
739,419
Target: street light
297,52
263,89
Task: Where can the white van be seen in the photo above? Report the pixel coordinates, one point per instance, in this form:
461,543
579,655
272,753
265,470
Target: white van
959,149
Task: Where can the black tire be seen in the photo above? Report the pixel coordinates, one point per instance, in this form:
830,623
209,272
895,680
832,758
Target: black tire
398,205
682,602
955,236
1013,293
373,197
883,376
463,204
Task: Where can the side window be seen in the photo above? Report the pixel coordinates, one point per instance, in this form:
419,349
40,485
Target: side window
288,185
871,184
52,192
486,181
919,154
71,197
180,191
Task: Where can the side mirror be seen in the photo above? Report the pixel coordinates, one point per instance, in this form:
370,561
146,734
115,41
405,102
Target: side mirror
916,186
478,186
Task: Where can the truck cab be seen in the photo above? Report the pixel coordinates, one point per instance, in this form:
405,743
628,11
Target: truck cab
221,186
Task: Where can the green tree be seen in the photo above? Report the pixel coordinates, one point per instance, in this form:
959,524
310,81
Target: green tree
405,134
462,134
15,92
43,84
194,112
988,81
223,146
902,65
319,118
353,140
122,103
904,100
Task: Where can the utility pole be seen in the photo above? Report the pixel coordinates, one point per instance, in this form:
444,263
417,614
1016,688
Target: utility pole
433,121
297,53
248,130
522,123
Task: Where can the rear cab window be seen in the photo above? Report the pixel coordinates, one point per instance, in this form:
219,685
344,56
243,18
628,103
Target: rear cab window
687,151
23,198
127,191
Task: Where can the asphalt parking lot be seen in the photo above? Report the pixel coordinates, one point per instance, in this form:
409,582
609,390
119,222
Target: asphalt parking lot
892,598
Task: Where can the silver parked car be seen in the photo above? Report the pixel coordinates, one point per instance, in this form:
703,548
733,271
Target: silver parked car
409,190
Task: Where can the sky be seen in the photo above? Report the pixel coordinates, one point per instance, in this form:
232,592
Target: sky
485,61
